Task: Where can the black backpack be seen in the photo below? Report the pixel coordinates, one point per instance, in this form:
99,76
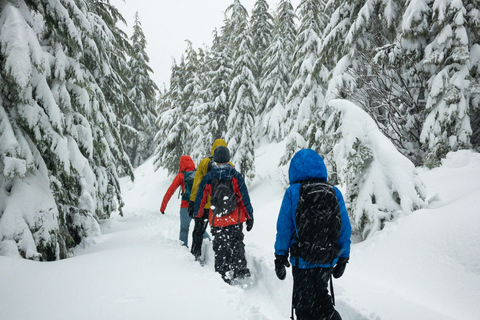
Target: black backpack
318,223
223,200
188,177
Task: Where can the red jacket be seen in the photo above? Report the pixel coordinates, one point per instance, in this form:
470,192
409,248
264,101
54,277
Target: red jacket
244,209
186,164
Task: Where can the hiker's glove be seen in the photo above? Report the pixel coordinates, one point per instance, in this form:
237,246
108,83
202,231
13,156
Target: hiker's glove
340,267
249,224
162,212
191,208
280,263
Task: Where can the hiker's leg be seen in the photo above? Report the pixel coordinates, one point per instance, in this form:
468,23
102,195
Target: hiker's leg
184,226
238,261
197,237
304,294
311,297
206,212
198,232
221,250
324,300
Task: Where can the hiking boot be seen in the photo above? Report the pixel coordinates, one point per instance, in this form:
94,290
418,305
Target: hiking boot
245,273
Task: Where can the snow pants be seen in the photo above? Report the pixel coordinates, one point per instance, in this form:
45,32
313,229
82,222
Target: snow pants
184,226
311,299
229,251
199,233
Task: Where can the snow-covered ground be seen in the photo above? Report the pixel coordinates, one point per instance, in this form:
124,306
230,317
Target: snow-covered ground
422,266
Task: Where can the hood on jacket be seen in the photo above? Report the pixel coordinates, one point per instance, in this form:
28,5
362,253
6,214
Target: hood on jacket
217,143
306,164
186,164
223,172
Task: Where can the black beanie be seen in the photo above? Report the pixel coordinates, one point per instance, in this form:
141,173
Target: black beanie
221,154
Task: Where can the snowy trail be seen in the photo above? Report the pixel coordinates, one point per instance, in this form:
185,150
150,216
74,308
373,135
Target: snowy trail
423,266
268,298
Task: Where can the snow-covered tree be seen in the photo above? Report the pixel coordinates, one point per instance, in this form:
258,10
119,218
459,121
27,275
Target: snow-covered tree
59,144
376,70
261,29
451,98
381,183
243,94
138,122
306,97
277,78
172,122
213,115
195,95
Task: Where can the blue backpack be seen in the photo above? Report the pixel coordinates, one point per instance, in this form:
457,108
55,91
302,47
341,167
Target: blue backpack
188,177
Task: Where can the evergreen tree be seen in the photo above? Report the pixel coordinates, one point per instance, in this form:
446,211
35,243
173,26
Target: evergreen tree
114,80
390,90
380,182
261,26
58,132
243,93
195,95
215,114
277,78
171,138
306,96
138,122
451,99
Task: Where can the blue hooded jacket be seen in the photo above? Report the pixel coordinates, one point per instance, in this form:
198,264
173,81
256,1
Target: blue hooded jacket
306,164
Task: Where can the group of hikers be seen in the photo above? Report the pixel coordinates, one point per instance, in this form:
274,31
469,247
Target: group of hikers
313,228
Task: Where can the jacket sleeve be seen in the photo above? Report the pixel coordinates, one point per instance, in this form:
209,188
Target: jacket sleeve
242,187
178,181
202,196
201,172
346,230
285,224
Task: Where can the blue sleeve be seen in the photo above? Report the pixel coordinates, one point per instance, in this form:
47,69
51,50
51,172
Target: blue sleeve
345,232
244,193
286,221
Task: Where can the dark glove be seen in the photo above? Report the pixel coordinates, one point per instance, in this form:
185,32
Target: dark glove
249,224
280,263
162,212
191,209
340,267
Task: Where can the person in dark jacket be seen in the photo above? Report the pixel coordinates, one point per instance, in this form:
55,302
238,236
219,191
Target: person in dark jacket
227,230
201,223
311,299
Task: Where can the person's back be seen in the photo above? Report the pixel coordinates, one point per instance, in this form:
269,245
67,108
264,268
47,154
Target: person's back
199,230
312,260
230,207
221,174
186,168
204,167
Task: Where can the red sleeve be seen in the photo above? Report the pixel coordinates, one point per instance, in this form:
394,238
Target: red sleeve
178,181
239,197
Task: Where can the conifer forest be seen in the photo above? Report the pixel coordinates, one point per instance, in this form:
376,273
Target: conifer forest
377,87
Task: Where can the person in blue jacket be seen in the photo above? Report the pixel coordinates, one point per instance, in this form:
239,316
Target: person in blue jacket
311,299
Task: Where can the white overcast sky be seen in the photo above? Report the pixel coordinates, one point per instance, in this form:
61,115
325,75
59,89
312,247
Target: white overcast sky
168,23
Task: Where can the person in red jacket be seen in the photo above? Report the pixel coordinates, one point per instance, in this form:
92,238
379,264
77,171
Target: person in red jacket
187,168
230,208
